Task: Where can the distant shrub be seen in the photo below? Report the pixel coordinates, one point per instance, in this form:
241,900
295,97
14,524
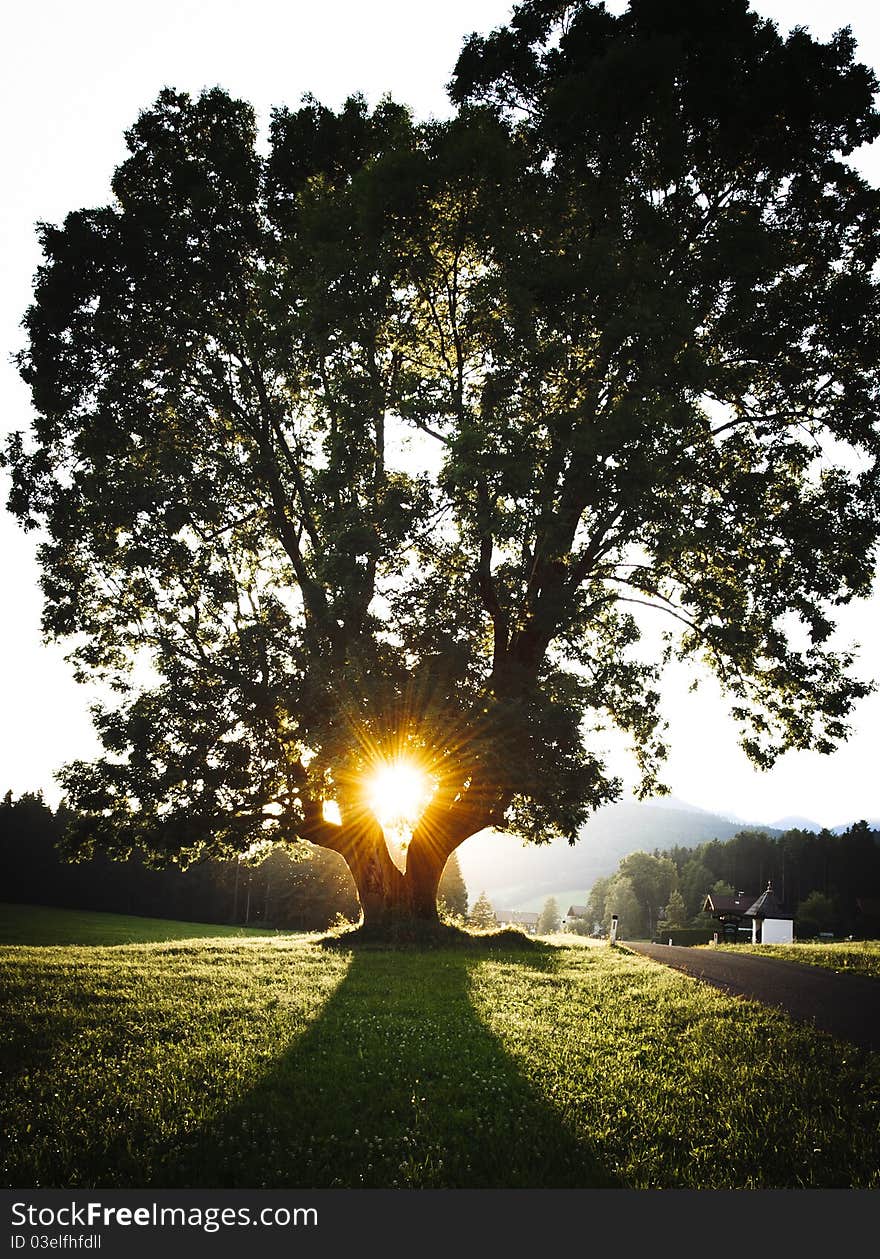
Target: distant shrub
579,927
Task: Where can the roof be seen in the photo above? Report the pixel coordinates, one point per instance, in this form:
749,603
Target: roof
767,906
576,911
739,903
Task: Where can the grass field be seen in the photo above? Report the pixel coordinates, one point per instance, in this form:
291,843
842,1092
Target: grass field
35,924
275,1062
856,956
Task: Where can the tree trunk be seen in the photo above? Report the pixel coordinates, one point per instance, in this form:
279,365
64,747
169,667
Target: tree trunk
423,872
395,903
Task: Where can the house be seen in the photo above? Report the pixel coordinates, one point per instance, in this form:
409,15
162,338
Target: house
518,918
575,913
769,922
730,910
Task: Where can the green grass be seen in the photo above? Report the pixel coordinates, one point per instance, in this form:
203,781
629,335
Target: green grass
276,1062
860,957
36,924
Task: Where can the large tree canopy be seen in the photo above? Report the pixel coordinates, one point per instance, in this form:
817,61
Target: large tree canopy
373,446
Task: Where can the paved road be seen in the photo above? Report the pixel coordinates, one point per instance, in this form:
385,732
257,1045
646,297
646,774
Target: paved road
847,1006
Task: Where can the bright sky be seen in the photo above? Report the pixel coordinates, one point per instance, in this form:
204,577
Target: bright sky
74,77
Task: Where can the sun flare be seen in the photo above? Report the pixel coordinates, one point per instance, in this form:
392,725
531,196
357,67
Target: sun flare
397,793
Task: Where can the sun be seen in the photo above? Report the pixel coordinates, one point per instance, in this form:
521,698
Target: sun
397,790
397,793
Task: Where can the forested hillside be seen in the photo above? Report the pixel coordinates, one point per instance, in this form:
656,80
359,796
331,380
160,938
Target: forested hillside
523,876
828,883
274,891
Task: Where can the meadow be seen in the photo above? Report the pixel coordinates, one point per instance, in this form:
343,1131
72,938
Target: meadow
860,957
36,924
278,1061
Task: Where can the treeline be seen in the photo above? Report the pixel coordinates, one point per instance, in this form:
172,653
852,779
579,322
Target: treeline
828,882
276,891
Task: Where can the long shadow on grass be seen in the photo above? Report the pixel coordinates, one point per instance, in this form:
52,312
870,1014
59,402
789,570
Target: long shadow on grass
397,1083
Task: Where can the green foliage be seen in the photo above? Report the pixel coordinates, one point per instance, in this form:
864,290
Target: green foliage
596,900
687,936
676,914
621,899
694,880
652,880
278,887
549,920
831,872
624,306
452,893
482,914
306,895
580,926
276,1062
815,914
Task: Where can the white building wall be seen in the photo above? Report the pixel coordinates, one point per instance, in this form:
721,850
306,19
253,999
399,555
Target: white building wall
777,931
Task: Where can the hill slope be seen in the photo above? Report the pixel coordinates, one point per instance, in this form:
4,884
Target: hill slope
518,876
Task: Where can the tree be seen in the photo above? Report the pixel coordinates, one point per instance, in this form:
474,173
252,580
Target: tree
694,880
452,892
549,920
301,889
307,895
624,303
815,914
676,914
652,880
483,915
596,901
621,899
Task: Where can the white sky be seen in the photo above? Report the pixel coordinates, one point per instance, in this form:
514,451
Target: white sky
73,77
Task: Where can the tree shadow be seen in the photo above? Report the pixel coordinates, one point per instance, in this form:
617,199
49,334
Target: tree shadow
396,1084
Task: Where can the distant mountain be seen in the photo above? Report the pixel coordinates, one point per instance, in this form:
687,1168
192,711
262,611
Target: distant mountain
795,823
521,876
674,803
806,824
684,806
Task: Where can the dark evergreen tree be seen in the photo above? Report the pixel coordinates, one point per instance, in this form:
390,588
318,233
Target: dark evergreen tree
675,914
549,920
695,878
482,914
272,889
452,892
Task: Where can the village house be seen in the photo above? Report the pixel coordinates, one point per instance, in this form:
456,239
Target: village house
575,913
729,910
518,918
768,921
